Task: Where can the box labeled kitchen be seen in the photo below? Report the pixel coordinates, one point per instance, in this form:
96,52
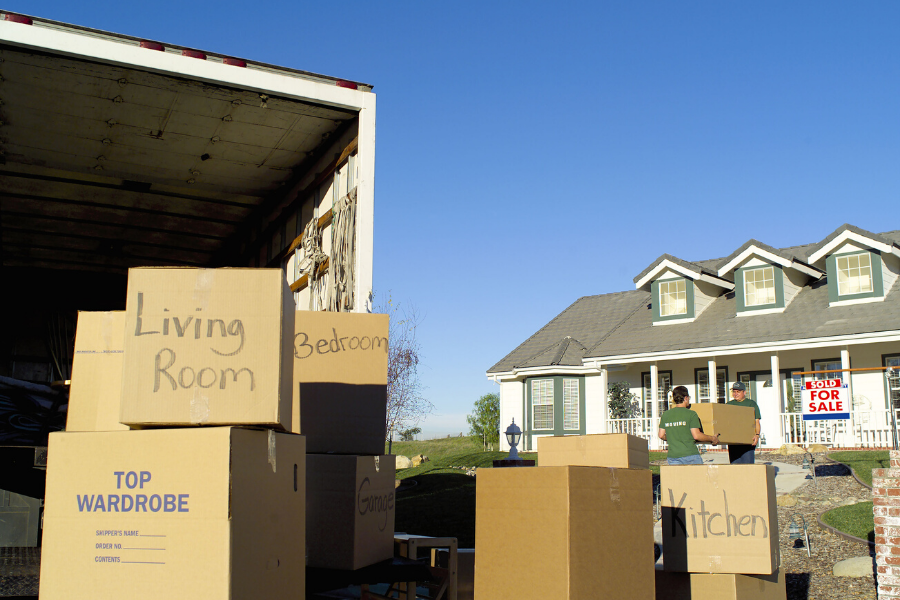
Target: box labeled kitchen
207,347
719,519
210,513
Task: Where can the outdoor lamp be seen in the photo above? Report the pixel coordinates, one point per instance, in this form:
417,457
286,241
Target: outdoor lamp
513,436
809,463
796,534
806,463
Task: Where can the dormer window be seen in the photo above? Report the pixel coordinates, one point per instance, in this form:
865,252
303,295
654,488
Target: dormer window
766,279
679,290
861,266
854,274
759,286
672,298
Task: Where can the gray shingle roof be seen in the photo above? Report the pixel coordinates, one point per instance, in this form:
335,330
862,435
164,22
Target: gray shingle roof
622,323
885,238
788,256
682,263
588,320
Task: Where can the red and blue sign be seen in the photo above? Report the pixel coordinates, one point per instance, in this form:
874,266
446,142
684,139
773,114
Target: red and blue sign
826,399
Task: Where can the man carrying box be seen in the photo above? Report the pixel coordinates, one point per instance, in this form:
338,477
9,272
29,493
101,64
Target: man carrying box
743,454
680,427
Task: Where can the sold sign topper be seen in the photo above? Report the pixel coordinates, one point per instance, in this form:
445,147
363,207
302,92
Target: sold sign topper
826,399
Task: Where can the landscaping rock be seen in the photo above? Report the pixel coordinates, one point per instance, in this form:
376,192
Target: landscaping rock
786,500
860,566
788,449
419,459
816,448
403,462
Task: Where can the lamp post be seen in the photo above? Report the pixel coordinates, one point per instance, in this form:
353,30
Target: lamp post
795,534
513,437
888,373
809,463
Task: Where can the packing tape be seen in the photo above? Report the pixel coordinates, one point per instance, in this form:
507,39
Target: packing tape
614,495
203,286
199,407
377,464
582,446
715,564
272,449
106,331
712,474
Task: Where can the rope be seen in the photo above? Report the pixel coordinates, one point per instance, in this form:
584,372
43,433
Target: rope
342,280
312,257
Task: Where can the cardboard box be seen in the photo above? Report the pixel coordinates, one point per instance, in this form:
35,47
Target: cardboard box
212,513
349,510
563,533
719,519
618,450
705,586
340,381
734,424
207,347
96,389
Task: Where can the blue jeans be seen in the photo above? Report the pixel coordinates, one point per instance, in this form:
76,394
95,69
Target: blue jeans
693,459
741,454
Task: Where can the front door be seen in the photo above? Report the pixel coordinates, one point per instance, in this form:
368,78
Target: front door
770,407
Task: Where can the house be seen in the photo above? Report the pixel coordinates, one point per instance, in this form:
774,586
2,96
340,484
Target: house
764,316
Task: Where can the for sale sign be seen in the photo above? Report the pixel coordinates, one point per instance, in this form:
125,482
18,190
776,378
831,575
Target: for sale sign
826,399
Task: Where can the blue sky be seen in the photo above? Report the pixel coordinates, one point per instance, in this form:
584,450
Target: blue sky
530,153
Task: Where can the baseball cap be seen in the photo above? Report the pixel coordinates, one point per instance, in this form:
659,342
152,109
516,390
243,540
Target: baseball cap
739,385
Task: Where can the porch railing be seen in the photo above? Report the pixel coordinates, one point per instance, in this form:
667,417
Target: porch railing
640,427
864,429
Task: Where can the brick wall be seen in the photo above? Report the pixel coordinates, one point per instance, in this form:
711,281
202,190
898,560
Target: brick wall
886,510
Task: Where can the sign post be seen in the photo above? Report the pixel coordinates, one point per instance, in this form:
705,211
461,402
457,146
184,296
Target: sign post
826,399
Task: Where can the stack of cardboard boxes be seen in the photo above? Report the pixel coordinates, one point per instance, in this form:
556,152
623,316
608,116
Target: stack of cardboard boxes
143,502
580,525
340,382
720,533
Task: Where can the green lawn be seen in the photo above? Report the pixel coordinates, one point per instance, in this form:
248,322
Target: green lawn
855,519
863,461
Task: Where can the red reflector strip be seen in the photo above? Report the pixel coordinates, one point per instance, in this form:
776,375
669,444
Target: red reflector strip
193,54
152,45
234,62
18,19
346,84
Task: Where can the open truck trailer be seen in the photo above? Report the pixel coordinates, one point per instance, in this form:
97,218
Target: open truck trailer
118,152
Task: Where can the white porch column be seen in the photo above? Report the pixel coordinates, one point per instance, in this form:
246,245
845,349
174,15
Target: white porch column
848,440
713,381
776,425
654,405
845,364
604,399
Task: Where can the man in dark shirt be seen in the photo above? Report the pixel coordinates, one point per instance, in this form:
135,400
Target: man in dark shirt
743,454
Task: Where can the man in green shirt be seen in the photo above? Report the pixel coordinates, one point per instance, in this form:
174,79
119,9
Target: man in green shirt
680,427
743,454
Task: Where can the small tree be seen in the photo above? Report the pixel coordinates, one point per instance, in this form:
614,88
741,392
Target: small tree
406,404
622,403
408,435
485,421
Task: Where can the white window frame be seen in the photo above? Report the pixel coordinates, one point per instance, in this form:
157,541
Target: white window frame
849,275
539,398
672,298
721,384
571,404
761,295
662,381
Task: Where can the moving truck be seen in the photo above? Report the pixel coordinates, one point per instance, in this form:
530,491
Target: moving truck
117,151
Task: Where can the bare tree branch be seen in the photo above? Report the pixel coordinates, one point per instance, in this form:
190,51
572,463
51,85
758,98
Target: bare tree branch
406,404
